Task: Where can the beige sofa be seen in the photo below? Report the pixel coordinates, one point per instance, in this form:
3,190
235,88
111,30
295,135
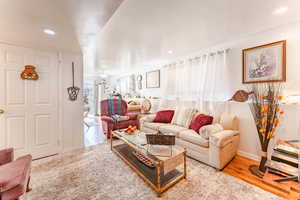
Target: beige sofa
217,149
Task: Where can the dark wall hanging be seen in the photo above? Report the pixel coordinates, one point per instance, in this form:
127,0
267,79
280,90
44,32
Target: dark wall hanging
73,91
29,73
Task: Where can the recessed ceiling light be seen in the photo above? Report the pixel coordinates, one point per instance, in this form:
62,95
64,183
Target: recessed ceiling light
49,32
170,52
280,10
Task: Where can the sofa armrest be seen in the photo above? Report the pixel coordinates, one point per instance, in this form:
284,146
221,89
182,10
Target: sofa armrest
6,156
148,118
107,119
222,138
223,147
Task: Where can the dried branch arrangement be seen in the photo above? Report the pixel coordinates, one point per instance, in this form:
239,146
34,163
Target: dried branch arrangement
266,111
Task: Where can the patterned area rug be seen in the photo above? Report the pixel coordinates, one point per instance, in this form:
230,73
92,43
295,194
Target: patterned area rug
95,173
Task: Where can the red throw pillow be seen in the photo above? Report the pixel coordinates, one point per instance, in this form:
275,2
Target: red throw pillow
199,121
164,116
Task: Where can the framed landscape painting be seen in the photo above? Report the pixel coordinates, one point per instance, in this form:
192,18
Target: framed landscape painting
153,79
265,63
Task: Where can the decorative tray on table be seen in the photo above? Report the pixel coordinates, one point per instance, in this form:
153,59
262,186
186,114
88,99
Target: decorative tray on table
144,159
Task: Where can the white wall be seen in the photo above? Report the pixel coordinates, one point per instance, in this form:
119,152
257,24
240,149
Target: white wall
289,128
71,111
290,125
290,33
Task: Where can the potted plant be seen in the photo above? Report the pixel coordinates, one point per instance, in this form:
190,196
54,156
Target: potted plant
265,108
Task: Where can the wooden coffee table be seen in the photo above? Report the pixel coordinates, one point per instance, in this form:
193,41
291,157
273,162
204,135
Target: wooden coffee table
167,171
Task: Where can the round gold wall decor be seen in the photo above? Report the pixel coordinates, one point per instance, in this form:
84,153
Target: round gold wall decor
146,106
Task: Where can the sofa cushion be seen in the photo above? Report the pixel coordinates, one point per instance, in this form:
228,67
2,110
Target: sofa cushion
164,116
154,126
193,137
209,130
199,121
183,116
216,116
229,122
174,129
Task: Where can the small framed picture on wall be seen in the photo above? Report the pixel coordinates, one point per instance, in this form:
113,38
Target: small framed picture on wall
153,79
265,63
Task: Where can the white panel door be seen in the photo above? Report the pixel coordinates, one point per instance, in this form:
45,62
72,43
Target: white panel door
30,119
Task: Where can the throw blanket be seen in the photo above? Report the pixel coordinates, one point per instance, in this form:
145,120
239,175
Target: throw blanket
115,107
120,118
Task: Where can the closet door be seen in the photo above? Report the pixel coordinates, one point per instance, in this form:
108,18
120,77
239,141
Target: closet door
28,109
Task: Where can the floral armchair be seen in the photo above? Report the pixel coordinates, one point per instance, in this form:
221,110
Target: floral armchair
111,107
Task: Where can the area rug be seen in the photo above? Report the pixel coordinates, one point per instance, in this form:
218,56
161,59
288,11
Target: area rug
95,173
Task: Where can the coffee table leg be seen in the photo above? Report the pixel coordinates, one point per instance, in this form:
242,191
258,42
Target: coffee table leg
158,180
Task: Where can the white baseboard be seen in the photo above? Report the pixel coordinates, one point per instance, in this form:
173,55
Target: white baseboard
249,155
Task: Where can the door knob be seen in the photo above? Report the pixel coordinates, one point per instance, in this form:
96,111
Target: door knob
1,111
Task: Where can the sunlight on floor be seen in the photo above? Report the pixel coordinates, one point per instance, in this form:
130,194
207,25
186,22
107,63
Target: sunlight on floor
93,133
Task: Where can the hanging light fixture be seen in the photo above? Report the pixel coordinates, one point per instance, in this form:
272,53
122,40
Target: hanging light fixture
73,91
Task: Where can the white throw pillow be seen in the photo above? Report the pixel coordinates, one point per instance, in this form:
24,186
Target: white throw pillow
209,130
183,116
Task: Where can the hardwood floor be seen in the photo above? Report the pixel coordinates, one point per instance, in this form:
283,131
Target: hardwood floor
239,169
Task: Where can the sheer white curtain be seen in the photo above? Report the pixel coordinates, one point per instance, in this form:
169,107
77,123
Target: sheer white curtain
203,79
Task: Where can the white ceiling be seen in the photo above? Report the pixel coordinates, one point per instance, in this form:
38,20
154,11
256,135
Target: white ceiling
141,32
75,21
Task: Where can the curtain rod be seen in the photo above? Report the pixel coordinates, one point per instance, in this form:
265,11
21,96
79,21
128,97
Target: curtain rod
211,53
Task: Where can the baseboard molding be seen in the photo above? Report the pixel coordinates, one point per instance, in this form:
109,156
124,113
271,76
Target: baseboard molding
249,155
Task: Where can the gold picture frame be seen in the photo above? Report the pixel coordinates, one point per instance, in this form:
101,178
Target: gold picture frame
265,63
153,79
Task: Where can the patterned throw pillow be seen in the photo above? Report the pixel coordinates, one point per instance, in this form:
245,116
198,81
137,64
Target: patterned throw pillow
183,116
209,130
199,121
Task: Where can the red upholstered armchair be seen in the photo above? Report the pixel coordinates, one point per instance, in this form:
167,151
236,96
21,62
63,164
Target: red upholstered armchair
14,175
115,107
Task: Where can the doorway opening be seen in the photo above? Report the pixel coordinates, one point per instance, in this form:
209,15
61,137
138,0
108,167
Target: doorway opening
93,133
